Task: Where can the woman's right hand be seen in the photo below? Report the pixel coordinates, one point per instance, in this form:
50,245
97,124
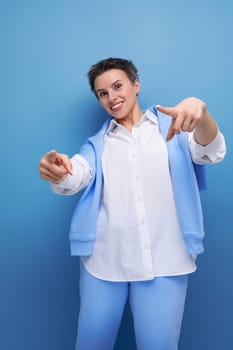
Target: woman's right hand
55,167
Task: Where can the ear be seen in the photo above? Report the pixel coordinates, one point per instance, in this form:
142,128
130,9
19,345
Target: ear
137,86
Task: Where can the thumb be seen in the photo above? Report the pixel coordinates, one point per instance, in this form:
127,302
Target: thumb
170,132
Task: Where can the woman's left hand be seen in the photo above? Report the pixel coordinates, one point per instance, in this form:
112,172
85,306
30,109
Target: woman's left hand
188,115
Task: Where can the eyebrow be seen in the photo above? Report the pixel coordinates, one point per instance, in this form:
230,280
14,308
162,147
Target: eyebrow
115,82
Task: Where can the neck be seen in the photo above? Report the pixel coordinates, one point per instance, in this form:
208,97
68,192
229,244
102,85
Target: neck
133,118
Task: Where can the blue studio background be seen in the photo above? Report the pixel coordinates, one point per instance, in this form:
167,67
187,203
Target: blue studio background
181,48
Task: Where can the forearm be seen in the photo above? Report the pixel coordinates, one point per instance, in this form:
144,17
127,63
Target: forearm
206,131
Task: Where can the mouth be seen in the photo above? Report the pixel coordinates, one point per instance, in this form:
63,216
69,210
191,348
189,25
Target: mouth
116,107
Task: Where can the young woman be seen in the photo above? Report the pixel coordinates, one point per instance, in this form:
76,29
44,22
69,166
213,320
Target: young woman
138,226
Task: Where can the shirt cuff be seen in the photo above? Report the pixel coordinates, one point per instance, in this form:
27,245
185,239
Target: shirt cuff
63,187
212,151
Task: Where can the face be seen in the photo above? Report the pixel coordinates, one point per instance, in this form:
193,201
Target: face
117,94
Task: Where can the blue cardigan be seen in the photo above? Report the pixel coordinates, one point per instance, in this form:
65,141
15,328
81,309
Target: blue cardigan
187,179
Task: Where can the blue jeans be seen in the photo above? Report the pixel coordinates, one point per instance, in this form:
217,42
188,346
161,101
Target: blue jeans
157,307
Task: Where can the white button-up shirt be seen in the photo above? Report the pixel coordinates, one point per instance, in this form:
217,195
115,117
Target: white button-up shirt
138,235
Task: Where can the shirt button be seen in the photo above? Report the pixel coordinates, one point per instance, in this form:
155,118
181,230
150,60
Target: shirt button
143,222
146,246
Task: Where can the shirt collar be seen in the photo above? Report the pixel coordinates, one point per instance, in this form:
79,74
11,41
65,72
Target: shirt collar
147,115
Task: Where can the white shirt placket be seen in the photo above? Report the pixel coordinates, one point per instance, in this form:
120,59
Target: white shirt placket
143,230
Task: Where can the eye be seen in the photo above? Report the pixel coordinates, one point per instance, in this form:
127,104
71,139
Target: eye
118,86
102,94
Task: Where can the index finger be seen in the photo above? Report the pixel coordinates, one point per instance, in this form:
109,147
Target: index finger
55,158
171,111
51,156
62,159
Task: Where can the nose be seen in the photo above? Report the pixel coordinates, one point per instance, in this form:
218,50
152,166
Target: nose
112,96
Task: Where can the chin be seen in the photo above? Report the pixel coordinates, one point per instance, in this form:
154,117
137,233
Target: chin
117,118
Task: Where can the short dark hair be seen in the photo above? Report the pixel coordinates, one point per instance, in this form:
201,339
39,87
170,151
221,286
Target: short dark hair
112,63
